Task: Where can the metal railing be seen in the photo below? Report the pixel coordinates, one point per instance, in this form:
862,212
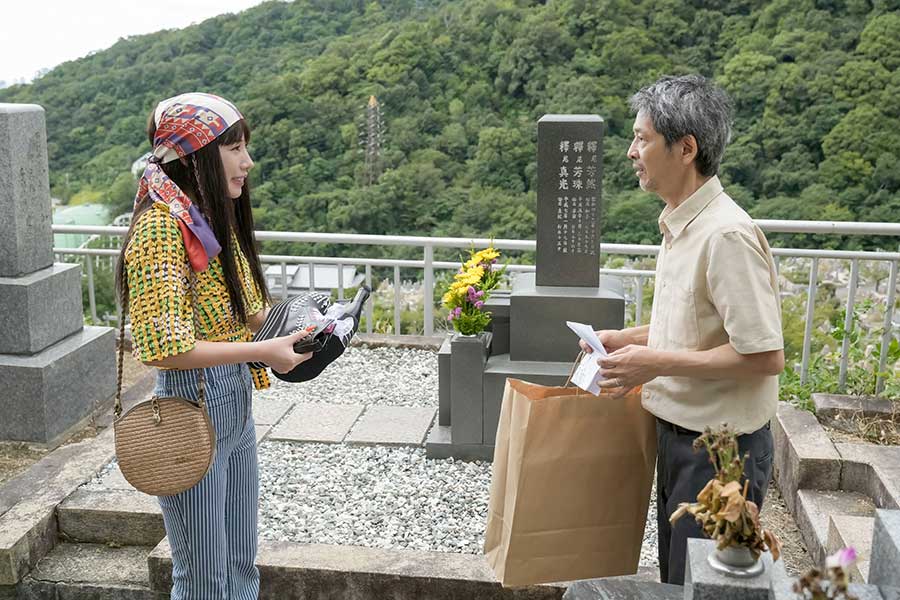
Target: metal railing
637,278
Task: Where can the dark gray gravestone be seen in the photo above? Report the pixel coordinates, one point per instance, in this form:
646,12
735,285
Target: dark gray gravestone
570,150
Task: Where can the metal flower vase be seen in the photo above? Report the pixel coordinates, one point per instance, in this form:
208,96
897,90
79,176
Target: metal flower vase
736,561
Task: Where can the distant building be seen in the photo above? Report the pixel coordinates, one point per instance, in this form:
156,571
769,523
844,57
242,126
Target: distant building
325,278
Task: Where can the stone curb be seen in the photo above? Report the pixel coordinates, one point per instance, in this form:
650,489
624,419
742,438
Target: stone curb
415,342
292,571
837,410
805,457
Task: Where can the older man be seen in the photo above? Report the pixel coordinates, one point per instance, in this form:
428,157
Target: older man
713,349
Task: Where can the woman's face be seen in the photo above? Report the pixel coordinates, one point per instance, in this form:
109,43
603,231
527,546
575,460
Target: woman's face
237,163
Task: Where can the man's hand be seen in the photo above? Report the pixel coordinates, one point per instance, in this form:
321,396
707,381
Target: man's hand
612,340
629,367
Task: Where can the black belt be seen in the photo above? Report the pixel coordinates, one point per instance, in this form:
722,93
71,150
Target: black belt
675,428
682,431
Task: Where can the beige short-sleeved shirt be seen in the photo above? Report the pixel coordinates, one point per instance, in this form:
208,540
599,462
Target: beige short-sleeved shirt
715,284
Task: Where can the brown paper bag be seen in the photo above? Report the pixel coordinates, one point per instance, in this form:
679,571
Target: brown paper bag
570,484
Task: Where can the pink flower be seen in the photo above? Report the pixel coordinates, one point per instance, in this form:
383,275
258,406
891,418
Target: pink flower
842,558
457,311
479,304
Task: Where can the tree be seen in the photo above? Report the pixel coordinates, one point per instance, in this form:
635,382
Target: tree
880,40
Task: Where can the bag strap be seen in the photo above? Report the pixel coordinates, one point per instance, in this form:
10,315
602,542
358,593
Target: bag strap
572,370
201,377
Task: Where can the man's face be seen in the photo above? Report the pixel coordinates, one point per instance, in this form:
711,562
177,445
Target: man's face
655,165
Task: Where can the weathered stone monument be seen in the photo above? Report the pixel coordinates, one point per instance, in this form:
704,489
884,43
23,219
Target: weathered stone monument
54,371
529,338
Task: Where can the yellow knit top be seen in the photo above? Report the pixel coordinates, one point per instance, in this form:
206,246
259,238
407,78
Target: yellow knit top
164,319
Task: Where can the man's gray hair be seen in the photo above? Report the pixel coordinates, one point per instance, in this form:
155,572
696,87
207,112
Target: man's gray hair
689,105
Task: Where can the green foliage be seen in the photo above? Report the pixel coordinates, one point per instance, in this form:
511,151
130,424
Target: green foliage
462,85
823,376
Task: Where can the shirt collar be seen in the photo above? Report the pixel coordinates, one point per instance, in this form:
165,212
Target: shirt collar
673,222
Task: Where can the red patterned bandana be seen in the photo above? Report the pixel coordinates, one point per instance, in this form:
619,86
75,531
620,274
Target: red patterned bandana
184,124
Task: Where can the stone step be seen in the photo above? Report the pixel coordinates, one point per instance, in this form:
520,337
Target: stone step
856,532
815,508
111,516
28,528
292,571
90,572
872,470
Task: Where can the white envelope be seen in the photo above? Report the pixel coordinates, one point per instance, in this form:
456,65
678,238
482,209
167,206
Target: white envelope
587,375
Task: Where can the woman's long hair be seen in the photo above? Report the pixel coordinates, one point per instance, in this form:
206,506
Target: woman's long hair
203,178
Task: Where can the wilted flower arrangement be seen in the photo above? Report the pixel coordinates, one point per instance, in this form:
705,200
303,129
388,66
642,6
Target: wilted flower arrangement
832,584
471,287
722,508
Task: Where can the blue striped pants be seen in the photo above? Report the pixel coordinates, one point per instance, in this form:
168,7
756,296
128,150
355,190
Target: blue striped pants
212,527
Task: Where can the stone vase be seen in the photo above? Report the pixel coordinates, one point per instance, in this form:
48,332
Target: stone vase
736,561
468,356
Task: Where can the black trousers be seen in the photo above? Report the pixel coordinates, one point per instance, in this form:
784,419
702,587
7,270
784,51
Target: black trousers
680,475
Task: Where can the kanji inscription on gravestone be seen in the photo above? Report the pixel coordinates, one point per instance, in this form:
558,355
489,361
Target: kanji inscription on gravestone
570,172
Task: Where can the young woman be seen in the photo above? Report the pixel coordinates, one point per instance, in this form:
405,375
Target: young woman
190,277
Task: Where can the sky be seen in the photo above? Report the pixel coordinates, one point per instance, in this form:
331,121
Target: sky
40,34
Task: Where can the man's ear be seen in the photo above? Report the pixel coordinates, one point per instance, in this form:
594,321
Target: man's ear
688,149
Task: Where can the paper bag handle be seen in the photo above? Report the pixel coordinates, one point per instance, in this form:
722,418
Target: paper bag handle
572,370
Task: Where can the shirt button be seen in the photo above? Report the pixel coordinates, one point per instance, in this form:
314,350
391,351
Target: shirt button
668,246
645,393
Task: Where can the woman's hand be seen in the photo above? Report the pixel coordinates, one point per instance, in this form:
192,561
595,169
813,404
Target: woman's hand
279,353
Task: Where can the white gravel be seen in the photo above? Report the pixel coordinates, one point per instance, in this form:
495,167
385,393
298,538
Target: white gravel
394,376
373,496
381,497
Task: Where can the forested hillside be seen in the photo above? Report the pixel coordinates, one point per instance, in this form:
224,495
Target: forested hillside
461,85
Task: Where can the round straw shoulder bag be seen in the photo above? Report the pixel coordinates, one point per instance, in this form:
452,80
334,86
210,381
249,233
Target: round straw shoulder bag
164,445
